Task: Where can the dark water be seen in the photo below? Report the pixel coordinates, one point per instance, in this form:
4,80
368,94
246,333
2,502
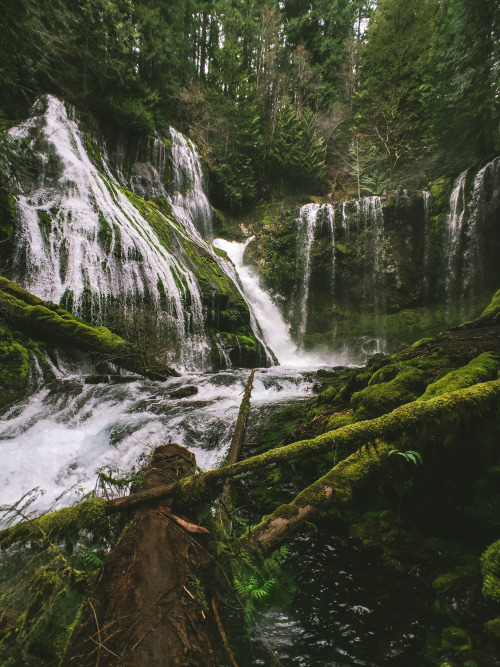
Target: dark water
349,609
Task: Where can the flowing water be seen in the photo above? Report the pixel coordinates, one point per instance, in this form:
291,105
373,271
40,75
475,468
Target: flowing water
275,330
349,609
62,434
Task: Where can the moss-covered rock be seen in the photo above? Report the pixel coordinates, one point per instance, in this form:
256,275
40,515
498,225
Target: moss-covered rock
481,369
389,388
46,321
490,567
493,308
14,367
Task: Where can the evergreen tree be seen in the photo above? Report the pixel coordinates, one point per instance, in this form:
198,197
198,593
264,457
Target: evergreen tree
463,98
394,72
296,151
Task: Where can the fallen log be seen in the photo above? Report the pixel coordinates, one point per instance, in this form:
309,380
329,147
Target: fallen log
147,605
226,496
438,414
335,489
241,422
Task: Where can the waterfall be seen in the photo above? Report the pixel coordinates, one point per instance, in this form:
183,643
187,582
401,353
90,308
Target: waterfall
373,222
428,242
453,239
274,329
105,254
82,242
484,196
426,196
366,217
330,213
306,225
275,332
189,202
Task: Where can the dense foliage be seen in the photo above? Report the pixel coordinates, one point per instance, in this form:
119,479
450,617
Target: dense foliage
300,94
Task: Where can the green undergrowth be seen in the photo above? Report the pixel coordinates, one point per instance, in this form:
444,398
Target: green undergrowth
251,582
48,564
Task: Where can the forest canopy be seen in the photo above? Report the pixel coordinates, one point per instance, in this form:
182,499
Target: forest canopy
347,95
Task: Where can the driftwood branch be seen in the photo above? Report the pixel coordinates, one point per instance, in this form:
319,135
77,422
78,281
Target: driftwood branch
127,503
435,416
241,422
335,489
226,497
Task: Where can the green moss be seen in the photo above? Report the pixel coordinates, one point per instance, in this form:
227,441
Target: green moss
455,641
481,369
93,151
65,524
236,340
339,420
105,233
493,627
45,224
14,367
490,568
406,383
494,305
48,321
7,212
440,192
179,278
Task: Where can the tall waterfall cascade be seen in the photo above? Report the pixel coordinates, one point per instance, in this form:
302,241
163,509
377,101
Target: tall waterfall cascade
320,222
189,202
86,242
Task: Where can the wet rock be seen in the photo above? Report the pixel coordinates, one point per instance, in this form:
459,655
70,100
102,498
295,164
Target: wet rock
97,379
184,392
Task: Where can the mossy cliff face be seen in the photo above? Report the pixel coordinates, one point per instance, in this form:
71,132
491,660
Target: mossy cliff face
114,241
31,331
394,268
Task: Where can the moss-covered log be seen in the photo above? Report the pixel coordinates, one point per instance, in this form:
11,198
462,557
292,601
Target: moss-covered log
49,322
227,495
336,488
437,415
241,422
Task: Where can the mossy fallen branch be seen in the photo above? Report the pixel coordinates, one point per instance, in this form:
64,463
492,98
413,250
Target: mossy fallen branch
47,321
337,488
63,524
436,415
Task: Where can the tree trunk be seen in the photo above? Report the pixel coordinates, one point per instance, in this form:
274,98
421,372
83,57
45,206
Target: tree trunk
227,496
147,605
438,415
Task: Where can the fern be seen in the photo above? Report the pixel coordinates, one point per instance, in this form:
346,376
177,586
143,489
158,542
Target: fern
254,588
411,456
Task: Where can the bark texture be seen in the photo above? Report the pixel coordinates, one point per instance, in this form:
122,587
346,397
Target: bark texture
147,606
